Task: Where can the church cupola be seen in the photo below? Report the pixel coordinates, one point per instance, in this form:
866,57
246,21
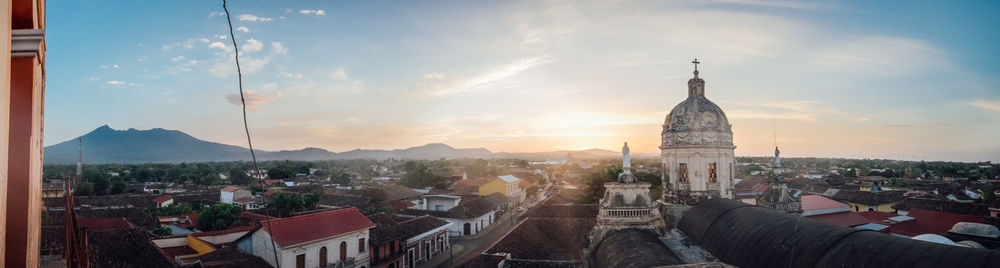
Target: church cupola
696,86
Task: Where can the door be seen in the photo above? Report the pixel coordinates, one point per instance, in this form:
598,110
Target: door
322,256
409,258
300,261
467,228
343,251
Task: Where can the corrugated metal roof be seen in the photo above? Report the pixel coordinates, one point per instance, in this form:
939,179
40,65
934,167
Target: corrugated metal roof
509,178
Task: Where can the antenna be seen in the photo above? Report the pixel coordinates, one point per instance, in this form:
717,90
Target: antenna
79,159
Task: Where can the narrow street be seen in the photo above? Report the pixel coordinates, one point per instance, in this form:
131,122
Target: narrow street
467,247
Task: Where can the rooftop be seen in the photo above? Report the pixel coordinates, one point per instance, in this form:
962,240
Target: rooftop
300,229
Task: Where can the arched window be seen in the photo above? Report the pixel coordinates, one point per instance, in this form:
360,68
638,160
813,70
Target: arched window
711,173
343,251
683,169
322,256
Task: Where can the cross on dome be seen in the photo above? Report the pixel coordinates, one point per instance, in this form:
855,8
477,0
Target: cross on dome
696,62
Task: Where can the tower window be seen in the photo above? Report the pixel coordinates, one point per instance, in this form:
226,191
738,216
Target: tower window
711,173
683,169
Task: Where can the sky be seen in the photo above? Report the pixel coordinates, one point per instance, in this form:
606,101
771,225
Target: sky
911,80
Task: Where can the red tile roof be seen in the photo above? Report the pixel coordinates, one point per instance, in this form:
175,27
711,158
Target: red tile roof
759,188
877,216
931,222
193,219
524,184
846,219
162,198
311,227
105,224
817,202
230,188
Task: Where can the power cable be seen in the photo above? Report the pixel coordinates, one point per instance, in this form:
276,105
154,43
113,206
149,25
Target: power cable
246,128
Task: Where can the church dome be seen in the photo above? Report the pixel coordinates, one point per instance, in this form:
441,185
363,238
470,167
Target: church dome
697,121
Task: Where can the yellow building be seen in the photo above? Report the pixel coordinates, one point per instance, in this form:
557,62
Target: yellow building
869,201
506,185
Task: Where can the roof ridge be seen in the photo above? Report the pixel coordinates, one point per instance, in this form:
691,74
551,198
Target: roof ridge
332,211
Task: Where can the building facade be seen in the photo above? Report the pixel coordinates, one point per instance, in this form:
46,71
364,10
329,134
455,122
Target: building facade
507,185
336,238
696,150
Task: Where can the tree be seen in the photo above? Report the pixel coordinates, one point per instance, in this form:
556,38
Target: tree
85,188
988,194
288,203
118,186
594,188
309,200
174,210
238,175
219,217
532,191
162,230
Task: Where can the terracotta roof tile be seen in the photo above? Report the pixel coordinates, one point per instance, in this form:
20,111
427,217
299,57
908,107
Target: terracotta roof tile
162,198
300,229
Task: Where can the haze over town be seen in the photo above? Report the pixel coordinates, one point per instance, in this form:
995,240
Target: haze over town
831,79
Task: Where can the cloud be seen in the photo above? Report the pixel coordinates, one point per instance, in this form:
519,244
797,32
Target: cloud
491,80
253,100
290,75
115,83
253,45
253,18
863,119
219,45
93,79
140,59
213,14
986,105
183,65
114,66
317,12
221,36
799,110
339,74
243,29
278,48
434,76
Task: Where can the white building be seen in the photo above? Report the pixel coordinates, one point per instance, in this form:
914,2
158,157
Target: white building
439,202
697,149
229,194
469,217
337,238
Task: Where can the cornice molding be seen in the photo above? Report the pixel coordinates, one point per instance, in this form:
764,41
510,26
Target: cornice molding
26,43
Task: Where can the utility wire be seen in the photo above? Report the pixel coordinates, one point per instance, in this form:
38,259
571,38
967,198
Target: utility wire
246,128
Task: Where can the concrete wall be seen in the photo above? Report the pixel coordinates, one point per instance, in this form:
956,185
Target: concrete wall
458,225
262,248
446,203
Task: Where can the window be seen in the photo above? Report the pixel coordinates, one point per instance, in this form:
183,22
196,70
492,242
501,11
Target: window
466,228
343,251
711,173
683,169
361,245
439,207
322,256
440,242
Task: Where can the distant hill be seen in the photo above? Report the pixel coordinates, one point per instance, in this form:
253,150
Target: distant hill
107,145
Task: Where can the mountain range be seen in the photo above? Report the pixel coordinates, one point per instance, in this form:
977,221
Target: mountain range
107,145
